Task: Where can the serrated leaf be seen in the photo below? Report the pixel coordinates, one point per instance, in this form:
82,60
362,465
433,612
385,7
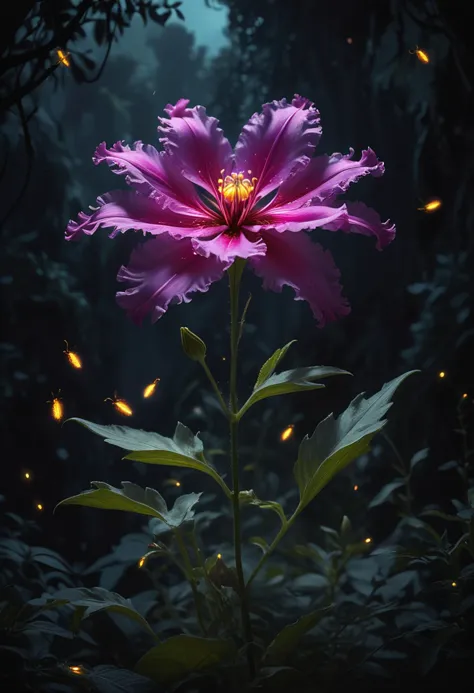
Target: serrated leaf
184,449
295,380
133,498
180,655
287,639
385,492
269,366
337,442
88,601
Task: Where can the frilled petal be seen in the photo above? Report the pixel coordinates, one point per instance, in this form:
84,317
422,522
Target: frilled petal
326,176
277,142
299,219
364,220
148,170
196,144
122,210
292,259
164,270
228,247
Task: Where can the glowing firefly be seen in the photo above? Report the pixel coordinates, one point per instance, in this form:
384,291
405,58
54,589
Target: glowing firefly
172,482
430,206
454,584
368,540
287,432
441,374
78,670
422,56
72,357
219,556
150,389
465,395
356,487
57,409
63,57
27,476
141,562
349,40
39,506
120,405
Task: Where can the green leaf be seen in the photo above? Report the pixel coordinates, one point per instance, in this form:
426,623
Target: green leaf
133,498
89,601
269,366
184,449
287,639
261,543
177,657
337,442
385,492
109,679
249,498
295,380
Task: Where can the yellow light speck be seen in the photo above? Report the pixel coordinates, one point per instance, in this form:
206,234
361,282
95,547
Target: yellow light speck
287,433
454,584
356,487
141,562
39,506
442,374
368,540
219,556
78,670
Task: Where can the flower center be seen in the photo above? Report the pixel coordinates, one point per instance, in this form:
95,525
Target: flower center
236,188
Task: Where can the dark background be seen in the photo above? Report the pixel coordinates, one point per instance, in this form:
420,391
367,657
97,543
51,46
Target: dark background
411,304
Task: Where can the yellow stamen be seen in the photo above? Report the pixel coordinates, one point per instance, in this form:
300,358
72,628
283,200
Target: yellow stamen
235,187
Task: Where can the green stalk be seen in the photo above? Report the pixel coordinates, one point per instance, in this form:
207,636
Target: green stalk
188,571
284,529
235,274
215,387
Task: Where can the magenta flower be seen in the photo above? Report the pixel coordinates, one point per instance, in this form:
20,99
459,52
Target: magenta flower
205,206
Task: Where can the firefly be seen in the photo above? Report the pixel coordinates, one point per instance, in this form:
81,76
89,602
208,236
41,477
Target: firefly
349,40
141,562
63,57
454,584
356,487
431,206
120,405
27,476
422,56
76,670
57,409
172,482
219,556
465,395
287,433
368,540
72,357
441,374
39,506
150,389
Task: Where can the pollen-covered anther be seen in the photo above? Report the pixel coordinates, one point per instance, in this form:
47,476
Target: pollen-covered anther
235,187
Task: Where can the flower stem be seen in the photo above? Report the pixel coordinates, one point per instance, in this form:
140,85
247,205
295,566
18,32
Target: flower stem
235,274
215,387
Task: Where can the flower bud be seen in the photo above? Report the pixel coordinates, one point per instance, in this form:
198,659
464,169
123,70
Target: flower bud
345,525
193,346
